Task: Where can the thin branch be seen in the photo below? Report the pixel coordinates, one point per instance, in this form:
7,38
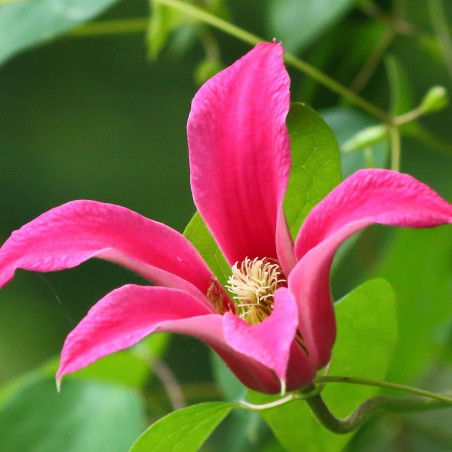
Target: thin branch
170,383
111,27
374,59
387,385
394,134
299,64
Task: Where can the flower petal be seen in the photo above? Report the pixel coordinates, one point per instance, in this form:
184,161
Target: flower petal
366,197
240,152
126,315
74,232
269,342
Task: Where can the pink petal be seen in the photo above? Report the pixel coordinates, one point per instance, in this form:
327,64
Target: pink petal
240,152
270,341
74,232
126,315
366,197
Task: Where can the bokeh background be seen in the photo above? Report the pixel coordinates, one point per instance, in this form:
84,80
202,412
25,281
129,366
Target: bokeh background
102,116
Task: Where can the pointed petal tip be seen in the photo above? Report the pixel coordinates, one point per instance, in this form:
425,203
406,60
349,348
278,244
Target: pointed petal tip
58,382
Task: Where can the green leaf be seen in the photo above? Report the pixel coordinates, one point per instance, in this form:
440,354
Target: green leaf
316,166
29,23
84,417
367,334
297,23
346,123
163,22
198,234
417,264
183,430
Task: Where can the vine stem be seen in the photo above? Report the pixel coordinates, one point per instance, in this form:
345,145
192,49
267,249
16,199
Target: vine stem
385,385
369,408
424,400
394,134
297,63
111,27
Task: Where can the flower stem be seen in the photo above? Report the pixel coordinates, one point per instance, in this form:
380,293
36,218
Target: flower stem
111,27
368,409
297,63
394,133
385,384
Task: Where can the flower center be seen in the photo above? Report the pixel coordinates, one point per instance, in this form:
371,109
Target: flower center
253,285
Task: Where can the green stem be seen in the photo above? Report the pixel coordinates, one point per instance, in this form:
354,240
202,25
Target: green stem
394,134
373,60
109,27
385,384
408,117
367,410
297,63
438,16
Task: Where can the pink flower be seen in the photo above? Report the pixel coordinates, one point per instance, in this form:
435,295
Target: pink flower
274,326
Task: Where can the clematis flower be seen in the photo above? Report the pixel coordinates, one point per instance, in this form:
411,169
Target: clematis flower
273,324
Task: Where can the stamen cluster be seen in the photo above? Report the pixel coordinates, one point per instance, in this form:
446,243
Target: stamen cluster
253,284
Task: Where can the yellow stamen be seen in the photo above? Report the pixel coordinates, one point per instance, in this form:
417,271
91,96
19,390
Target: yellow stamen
253,285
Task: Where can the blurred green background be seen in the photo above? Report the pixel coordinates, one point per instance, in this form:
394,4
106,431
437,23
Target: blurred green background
93,117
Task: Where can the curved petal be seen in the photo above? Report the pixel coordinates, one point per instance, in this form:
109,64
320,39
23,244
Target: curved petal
240,152
126,315
74,232
368,196
270,342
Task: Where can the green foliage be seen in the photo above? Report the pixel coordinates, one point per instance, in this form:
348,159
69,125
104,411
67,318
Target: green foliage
184,430
434,100
26,24
316,166
84,417
366,138
418,265
297,23
346,123
198,234
367,334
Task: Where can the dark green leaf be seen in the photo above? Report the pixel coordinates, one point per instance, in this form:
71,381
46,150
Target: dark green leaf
316,166
367,334
297,23
84,417
33,22
198,234
183,430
